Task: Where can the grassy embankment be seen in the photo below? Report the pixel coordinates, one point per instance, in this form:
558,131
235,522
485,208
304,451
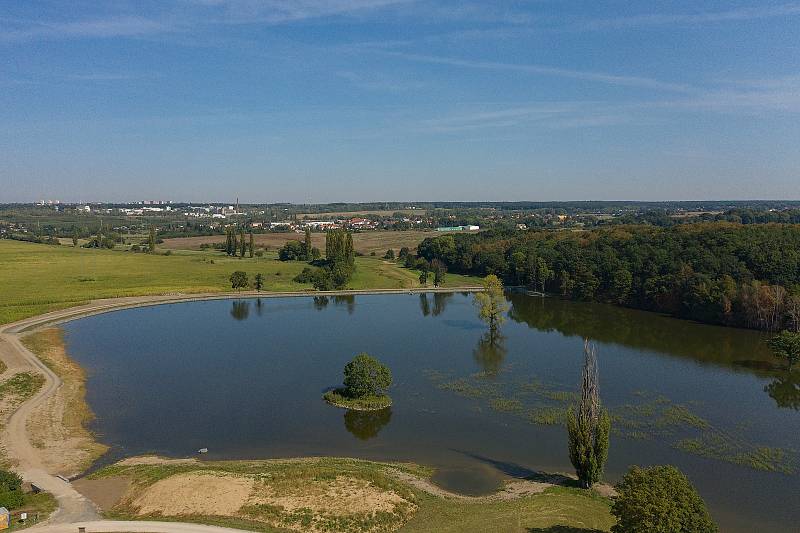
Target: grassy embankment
36,278
330,494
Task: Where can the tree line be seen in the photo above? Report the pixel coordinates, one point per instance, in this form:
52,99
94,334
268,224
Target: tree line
717,272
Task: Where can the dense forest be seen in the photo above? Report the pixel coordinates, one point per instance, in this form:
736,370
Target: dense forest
716,272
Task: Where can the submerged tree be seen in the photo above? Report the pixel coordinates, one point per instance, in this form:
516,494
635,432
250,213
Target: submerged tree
588,425
786,345
492,303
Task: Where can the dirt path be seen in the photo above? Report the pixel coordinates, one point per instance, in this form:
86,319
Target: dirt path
74,508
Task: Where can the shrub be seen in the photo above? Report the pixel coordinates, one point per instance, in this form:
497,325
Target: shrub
366,376
292,251
659,499
239,280
11,496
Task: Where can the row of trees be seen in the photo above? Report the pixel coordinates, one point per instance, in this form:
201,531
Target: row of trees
724,273
236,244
333,272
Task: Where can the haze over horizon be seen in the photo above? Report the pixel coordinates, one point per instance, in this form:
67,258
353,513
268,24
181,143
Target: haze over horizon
318,101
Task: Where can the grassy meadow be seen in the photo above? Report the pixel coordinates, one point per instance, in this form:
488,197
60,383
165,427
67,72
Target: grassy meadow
37,278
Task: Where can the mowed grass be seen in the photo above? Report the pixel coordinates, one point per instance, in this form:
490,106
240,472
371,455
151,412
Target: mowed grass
37,278
556,510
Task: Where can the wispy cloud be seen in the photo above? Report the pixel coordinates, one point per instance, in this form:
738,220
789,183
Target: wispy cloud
282,11
706,17
600,77
124,26
381,82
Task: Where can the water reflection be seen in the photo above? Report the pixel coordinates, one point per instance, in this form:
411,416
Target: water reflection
440,300
240,309
785,390
365,425
639,329
490,352
259,307
424,305
347,300
320,302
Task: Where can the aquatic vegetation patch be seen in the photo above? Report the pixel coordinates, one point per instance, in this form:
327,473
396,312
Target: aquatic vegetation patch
720,446
646,416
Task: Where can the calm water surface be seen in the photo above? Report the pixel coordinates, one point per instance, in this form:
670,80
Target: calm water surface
244,378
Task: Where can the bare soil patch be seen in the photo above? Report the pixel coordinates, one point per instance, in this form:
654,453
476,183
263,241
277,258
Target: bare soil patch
195,493
106,492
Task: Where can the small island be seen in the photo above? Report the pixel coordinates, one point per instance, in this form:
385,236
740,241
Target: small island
365,382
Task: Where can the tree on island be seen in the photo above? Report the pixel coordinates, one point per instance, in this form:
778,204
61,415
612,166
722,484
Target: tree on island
365,382
588,425
659,499
786,345
366,376
239,280
492,303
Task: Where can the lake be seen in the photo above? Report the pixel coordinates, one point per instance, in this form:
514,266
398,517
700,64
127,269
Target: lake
245,378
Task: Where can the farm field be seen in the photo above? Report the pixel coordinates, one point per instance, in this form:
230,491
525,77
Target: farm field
37,278
365,243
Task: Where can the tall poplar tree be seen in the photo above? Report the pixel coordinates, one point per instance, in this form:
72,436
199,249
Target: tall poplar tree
252,245
588,425
307,245
242,243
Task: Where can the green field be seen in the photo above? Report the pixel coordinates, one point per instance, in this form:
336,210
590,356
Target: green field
36,278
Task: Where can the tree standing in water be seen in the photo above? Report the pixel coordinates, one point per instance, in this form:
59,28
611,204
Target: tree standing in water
492,304
786,345
588,425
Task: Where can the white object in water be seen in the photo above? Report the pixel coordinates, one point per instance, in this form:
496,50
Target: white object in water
202,450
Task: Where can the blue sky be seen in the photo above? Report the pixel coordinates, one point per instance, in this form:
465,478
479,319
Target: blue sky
370,100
